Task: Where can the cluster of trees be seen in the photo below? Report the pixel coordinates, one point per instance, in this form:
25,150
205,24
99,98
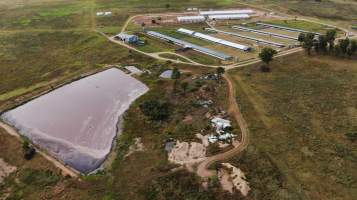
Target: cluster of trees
326,44
155,110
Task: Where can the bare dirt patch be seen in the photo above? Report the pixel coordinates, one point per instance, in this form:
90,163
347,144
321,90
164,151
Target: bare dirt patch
187,153
137,146
5,169
233,176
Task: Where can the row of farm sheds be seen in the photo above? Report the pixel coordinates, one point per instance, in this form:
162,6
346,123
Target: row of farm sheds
216,15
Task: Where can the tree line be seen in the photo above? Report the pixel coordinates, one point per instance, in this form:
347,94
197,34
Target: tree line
326,44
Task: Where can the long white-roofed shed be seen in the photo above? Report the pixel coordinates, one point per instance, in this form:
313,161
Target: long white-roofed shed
191,19
226,12
226,17
214,39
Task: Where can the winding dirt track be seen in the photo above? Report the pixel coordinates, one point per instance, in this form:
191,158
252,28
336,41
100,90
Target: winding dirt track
234,111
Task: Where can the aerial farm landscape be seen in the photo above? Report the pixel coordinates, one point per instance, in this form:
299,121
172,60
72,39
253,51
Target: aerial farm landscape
171,100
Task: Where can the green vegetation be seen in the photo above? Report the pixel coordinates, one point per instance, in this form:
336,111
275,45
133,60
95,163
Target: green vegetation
173,57
345,47
49,15
326,9
266,55
300,117
155,110
38,178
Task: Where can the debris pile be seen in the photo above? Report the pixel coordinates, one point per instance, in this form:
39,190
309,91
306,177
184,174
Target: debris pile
223,128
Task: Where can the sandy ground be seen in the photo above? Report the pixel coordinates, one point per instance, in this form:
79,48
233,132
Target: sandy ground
137,146
203,138
185,153
5,169
236,178
225,180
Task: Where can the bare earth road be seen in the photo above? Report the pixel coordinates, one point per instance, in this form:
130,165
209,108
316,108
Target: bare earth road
234,111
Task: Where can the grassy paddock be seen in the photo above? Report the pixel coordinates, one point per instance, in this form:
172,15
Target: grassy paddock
299,115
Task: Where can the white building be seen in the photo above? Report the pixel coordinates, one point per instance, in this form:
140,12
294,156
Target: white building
104,13
220,124
227,17
127,38
107,13
214,39
191,19
226,12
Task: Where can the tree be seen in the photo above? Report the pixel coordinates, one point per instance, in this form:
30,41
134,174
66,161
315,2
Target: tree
352,136
167,6
266,55
28,150
337,50
220,71
184,86
331,36
308,42
155,110
301,37
344,43
176,74
353,48
322,42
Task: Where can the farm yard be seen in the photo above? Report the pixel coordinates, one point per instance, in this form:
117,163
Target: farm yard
211,124
170,25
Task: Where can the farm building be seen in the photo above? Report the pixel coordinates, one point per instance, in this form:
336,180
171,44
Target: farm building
226,12
127,38
214,39
241,28
194,47
227,17
286,28
220,124
261,41
191,19
104,13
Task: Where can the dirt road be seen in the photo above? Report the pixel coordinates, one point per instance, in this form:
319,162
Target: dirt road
64,169
234,111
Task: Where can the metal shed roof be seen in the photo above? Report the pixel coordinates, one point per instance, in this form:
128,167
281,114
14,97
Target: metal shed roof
198,17
214,39
241,28
233,16
185,44
286,28
227,12
248,37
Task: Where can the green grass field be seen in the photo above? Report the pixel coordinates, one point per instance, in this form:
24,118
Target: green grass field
31,59
299,115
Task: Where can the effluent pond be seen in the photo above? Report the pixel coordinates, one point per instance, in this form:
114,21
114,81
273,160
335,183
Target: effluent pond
77,123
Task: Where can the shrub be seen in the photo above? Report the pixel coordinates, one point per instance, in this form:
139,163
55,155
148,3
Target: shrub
38,178
155,109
